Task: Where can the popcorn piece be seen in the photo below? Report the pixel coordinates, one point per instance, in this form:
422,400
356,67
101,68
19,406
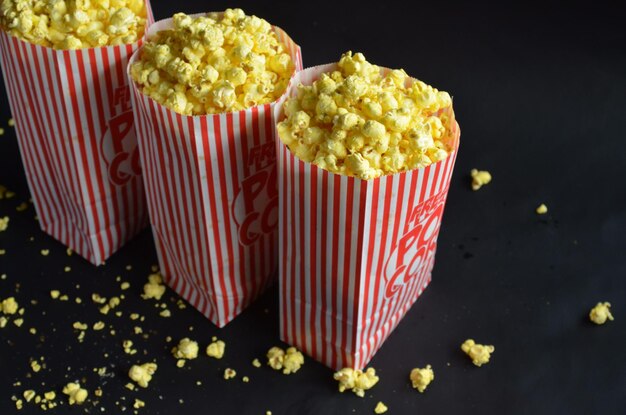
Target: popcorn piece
142,374
421,378
76,394
214,63
138,404
601,313
4,223
186,349
541,209
74,24
154,288
9,306
229,373
479,353
29,395
256,363
359,122
216,349
288,361
381,408
54,294
356,380
479,178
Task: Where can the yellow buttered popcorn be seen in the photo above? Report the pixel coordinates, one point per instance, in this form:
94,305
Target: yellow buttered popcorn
214,63
479,353
75,393
74,24
142,374
361,121
186,349
356,380
421,378
289,361
601,313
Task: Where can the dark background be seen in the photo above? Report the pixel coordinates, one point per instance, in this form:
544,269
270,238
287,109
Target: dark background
540,94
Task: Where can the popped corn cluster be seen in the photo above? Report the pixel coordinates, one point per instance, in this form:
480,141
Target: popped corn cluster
74,24
356,380
479,178
479,353
142,374
421,378
216,348
360,122
220,62
289,361
75,393
601,313
186,349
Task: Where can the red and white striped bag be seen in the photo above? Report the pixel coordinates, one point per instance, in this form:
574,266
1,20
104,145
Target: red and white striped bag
354,254
75,131
212,197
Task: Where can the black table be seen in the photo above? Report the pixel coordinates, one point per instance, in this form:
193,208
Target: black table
540,95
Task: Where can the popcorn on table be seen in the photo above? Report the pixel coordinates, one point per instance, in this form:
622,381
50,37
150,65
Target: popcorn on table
542,209
216,349
421,378
215,63
358,122
142,374
289,361
76,394
186,349
380,408
154,288
479,178
479,353
601,313
356,380
74,24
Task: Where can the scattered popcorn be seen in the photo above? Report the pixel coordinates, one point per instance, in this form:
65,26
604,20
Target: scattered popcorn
541,209
98,392
216,349
359,122
186,349
142,374
4,223
35,366
98,325
480,178
421,378
29,395
45,252
50,396
479,353
54,294
215,63
32,330
154,287
9,306
74,24
128,347
22,207
80,326
19,404
3,322
138,404
77,395
229,373
256,363
165,313
245,379
356,380
11,121
289,361
601,313
125,285
18,322
381,408
180,363
3,251
1,131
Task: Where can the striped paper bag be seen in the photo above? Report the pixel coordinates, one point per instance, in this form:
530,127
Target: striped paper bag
212,197
75,131
354,254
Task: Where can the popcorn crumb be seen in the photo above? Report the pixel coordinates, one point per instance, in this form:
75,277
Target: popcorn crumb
98,392
67,269
4,223
356,380
381,408
256,363
19,404
9,306
3,322
601,313
45,252
22,207
80,326
186,349
76,394
245,379
541,209
29,395
130,386
216,349
138,404
154,287
54,294
50,396
165,313
480,178
229,373
98,325
11,122
180,363
32,330
18,322
421,378
128,347
35,366
125,285
142,374
479,353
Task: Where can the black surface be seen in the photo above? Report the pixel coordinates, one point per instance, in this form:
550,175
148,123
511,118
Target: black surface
540,95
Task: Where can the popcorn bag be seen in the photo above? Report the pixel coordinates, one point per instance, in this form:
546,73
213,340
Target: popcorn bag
74,125
212,197
354,254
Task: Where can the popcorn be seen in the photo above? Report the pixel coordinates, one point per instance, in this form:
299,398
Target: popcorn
229,373
9,306
154,288
74,24
142,374
421,378
360,122
541,209
480,178
356,380
4,223
214,63
601,313
77,395
380,408
186,349
288,361
479,353
216,349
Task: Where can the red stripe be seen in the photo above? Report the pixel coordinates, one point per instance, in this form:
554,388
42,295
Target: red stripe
334,259
300,255
360,275
311,238
369,279
292,243
284,243
347,276
244,143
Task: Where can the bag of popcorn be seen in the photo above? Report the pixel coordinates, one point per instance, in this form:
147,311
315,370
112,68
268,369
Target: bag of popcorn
365,157
64,70
203,93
